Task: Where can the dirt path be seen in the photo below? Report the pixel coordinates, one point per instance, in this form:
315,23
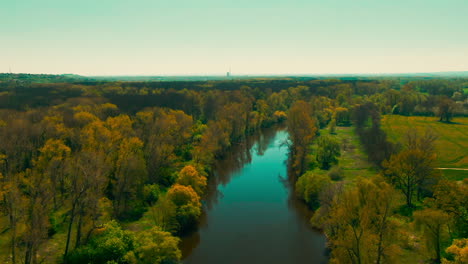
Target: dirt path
452,169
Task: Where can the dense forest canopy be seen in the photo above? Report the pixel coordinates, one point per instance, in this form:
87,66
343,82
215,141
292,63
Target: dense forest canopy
80,157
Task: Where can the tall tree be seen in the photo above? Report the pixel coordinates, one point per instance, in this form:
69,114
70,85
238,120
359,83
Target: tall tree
452,198
360,227
187,203
446,108
328,151
413,168
11,203
302,130
434,224
129,176
87,178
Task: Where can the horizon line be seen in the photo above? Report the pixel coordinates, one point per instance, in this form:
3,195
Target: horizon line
239,74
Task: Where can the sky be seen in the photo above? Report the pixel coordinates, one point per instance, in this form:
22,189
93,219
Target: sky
255,37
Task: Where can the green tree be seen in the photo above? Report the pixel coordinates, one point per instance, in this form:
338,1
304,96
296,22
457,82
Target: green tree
155,246
328,151
164,214
434,224
110,244
452,198
445,110
187,203
310,185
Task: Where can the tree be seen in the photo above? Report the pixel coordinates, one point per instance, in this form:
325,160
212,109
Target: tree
164,214
342,116
51,162
452,198
38,188
327,152
214,141
459,249
236,115
155,246
165,133
310,185
110,244
187,203
87,173
129,177
359,225
301,131
189,176
333,126
367,120
446,108
413,168
433,223
12,204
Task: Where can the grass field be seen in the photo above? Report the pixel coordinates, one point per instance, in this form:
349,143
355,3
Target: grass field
451,145
353,161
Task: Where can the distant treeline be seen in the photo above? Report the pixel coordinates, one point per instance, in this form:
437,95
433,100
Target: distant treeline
419,97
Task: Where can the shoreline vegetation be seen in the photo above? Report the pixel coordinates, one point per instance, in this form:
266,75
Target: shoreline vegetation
328,190
114,172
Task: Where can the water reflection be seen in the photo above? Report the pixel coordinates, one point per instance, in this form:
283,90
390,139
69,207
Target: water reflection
250,212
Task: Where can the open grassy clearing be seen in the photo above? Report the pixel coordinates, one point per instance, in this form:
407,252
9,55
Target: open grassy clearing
452,144
353,161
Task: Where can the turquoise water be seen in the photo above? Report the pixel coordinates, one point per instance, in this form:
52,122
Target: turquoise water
250,214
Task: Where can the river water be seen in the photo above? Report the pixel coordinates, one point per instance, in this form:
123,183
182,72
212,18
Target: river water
250,213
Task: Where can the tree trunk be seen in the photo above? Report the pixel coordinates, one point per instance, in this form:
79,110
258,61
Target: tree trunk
78,230
13,236
409,192
28,254
437,260
70,225
34,255
379,249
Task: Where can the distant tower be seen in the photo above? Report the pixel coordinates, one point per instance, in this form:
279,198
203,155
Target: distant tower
228,74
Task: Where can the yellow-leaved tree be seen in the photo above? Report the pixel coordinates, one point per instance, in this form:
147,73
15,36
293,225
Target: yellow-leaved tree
188,206
360,226
189,176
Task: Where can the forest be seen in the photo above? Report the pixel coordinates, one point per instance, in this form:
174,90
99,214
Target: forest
82,160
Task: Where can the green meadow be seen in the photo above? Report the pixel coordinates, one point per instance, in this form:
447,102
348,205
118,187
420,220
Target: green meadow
451,145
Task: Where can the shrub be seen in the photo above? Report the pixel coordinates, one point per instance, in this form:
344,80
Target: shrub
112,244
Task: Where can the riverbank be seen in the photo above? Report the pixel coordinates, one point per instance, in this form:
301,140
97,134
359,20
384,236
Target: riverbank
251,213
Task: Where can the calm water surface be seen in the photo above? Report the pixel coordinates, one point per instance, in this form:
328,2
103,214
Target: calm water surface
251,215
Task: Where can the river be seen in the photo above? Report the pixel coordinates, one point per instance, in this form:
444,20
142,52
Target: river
250,213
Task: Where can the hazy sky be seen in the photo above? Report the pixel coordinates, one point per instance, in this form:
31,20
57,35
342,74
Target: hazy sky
166,37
